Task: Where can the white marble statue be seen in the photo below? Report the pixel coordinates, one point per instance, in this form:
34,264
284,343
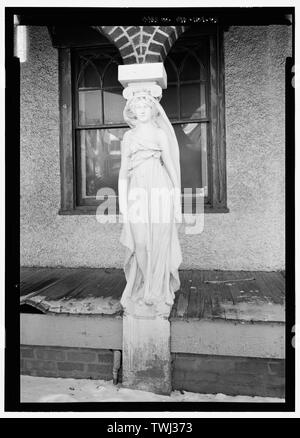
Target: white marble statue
149,200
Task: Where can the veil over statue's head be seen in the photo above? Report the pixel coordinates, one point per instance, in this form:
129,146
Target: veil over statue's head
151,94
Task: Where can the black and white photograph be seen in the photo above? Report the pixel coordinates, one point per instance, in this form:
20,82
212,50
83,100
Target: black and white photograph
150,152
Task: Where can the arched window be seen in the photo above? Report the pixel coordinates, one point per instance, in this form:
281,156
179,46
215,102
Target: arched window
92,125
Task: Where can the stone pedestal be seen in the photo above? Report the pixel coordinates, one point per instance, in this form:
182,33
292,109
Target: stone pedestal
146,353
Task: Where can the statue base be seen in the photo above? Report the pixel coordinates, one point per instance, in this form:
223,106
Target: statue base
146,353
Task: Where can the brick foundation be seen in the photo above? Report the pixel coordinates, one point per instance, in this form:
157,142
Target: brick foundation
81,363
229,375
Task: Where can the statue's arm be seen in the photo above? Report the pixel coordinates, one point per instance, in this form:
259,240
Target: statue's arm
166,156
123,176
168,162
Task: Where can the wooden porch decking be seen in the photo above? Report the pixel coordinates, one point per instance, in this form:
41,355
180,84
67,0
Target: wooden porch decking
227,327
207,295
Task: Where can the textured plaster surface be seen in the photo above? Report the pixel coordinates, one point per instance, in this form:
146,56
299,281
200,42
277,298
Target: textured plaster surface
250,236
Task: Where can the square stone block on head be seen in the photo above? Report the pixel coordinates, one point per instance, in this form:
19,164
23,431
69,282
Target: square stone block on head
136,73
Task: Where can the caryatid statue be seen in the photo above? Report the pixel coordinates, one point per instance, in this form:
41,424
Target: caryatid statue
150,204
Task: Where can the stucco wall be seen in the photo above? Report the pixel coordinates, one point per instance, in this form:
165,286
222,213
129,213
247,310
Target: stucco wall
250,236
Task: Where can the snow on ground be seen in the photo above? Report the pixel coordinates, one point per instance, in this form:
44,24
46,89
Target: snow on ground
49,389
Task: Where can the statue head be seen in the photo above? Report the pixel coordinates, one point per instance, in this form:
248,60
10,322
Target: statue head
140,108
142,99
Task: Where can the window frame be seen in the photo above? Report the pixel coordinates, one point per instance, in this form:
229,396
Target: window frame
217,151
81,202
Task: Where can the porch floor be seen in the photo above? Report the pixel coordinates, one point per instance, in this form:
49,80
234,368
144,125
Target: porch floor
227,327
224,295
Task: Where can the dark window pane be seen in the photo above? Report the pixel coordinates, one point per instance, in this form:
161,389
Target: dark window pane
190,69
90,111
110,78
192,139
100,159
177,55
202,52
88,75
190,101
101,62
114,104
169,102
171,71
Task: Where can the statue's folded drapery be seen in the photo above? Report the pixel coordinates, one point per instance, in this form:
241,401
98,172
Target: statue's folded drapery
153,253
